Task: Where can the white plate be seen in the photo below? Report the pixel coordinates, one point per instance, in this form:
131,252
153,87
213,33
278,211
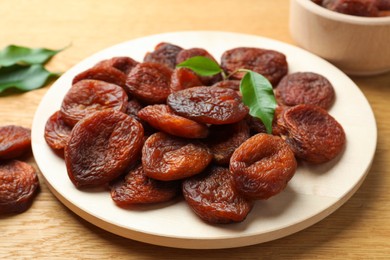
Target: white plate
313,193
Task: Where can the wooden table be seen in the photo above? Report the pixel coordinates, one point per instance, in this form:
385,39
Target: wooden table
360,229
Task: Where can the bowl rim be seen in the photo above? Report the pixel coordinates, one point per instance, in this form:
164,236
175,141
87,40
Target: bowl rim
353,19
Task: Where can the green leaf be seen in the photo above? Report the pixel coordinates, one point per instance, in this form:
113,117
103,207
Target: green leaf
202,66
257,94
14,54
24,78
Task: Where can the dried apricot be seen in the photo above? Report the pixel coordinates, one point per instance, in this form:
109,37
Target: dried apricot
164,119
313,134
189,53
14,141
213,197
88,96
149,82
103,73
164,53
137,188
224,140
269,63
133,107
18,186
231,83
183,78
166,157
122,63
101,147
262,166
305,88
57,132
208,105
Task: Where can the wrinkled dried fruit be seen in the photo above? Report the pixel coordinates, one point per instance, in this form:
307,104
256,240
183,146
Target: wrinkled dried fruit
89,96
193,52
232,84
257,126
57,132
183,78
164,53
262,166
164,119
271,64
137,188
133,107
124,64
103,73
166,158
18,185
208,105
149,82
313,134
353,7
101,147
305,88
14,141
224,140
213,197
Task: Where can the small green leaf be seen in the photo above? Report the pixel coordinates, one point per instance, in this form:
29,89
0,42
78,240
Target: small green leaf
257,94
24,78
14,54
202,66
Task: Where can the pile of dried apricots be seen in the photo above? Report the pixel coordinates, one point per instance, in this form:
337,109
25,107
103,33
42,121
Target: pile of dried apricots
365,8
149,131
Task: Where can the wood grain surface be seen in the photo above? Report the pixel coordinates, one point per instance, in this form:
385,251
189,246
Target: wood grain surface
360,229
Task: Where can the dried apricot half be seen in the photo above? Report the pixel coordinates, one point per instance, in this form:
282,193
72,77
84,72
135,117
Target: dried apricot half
101,147
262,166
137,188
213,197
18,186
165,157
14,141
313,134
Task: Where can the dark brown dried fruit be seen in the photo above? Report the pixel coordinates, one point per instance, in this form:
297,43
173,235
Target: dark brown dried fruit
189,53
269,63
164,53
149,82
103,73
231,83
166,158
57,132
124,64
224,140
88,96
352,7
101,147
262,166
383,4
305,88
212,196
313,134
14,141
133,107
208,105
183,78
18,185
257,126
137,188
164,119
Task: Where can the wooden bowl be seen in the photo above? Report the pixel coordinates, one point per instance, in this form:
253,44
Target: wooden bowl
357,45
